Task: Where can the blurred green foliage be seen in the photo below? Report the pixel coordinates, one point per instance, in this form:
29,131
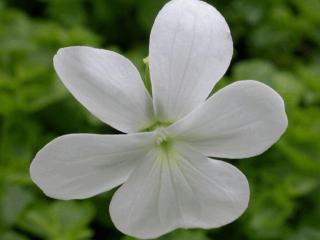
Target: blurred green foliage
276,42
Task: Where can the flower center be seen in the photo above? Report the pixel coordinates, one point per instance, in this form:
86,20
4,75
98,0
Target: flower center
163,141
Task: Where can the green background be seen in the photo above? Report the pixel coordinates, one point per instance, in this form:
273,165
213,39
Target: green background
276,42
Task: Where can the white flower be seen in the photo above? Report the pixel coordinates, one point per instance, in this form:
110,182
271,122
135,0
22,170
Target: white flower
169,181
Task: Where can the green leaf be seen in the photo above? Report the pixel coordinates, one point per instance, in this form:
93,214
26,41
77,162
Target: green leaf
13,200
58,220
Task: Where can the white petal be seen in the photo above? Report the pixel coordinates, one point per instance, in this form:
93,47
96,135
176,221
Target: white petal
190,50
242,120
107,84
78,166
182,189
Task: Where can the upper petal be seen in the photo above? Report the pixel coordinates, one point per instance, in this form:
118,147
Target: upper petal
242,120
78,166
107,84
190,50
179,190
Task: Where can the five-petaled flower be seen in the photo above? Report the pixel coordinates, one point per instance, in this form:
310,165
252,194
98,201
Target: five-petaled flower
162,161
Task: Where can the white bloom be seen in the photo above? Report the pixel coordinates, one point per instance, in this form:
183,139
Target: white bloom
169,181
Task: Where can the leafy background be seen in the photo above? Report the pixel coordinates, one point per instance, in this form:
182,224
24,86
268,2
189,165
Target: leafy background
276,42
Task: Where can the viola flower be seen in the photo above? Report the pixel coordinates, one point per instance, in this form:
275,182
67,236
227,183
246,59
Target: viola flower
162,160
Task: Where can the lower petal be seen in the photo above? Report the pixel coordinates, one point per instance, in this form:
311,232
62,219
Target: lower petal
181,189
79,166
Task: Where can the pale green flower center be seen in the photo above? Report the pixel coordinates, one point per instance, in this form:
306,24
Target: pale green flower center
163,141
